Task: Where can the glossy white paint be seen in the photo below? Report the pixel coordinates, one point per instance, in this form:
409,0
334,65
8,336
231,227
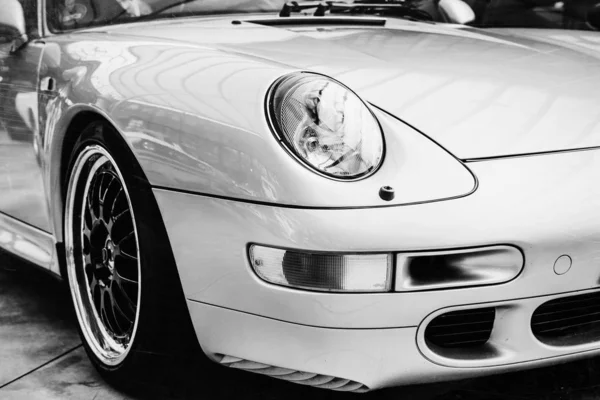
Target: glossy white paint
190,104
544,205
28,243
23,194
201,100
209,136
375,357
222,145
479,94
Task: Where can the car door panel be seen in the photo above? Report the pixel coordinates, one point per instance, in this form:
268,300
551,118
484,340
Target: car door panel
21,184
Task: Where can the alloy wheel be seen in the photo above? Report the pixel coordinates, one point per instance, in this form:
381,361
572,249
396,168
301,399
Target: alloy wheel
103,259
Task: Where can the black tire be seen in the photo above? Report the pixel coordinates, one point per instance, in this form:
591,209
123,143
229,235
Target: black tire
163,341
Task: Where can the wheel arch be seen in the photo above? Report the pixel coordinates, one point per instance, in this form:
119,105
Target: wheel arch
61,145
88,132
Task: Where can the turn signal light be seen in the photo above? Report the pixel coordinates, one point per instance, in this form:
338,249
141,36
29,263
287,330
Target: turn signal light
325,272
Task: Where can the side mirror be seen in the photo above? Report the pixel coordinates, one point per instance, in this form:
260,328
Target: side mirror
12,23
456,11
593,17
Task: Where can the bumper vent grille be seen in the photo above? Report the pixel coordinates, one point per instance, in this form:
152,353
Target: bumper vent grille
303,378
461,329
568,320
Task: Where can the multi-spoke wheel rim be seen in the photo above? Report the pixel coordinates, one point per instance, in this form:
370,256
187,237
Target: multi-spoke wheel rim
103,255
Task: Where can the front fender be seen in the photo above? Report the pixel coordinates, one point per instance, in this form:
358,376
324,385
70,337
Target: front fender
195,119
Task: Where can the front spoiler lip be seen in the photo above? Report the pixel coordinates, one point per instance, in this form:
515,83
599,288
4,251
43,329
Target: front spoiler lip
377,358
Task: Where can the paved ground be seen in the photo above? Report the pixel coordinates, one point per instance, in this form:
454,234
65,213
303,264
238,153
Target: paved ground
41,358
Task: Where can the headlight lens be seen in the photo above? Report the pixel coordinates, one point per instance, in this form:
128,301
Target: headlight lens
327,126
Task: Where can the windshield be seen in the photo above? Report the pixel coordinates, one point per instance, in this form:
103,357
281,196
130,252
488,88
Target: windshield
72,14
566,14
549,14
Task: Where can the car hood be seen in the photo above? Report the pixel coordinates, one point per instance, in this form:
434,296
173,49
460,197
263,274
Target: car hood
480,94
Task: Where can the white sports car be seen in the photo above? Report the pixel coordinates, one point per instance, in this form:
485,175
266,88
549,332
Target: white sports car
340,194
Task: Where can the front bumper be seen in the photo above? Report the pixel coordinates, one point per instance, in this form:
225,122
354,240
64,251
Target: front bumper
545,205
376,358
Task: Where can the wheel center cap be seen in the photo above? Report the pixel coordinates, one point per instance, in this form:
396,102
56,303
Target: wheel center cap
108,254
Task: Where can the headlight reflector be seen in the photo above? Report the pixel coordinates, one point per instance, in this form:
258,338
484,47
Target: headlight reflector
323,272
326,126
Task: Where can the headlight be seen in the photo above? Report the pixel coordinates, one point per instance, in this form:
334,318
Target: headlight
326,125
